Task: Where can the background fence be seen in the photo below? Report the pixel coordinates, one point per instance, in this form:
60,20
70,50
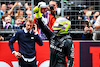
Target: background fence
79,12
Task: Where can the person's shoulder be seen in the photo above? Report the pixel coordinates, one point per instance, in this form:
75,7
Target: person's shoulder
68,39
50,15
20,31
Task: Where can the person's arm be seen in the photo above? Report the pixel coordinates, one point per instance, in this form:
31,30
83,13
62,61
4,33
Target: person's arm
70,52
9,12
5,36
97,23
97,27
11,41
43,27
38,39
1,38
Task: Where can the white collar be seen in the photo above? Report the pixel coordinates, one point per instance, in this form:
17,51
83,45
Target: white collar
27,31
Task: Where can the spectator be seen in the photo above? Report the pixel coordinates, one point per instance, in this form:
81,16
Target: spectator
26,41
27,7
91,22
82,13
96,36
20,12
3,9
29,14
10,5
18,22
3,23
5,36
53,9
8,22
11,13
49,19
7,25
87,33
10,10
94,17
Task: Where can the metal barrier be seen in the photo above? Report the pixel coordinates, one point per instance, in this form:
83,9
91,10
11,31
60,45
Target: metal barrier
72,9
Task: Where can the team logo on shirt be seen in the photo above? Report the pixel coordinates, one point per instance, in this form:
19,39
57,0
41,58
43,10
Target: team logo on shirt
56,48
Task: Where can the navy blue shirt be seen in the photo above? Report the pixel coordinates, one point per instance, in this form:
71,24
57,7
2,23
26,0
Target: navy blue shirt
26,43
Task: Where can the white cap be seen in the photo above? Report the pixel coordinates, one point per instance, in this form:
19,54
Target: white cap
42,4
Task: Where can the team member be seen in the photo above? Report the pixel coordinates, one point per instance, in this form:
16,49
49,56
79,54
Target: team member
61,44
26,41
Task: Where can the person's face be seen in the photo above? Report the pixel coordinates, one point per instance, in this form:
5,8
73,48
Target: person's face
54,4
85,10
29,14
21,12
26,5
43,10
18,21
3,7
97,13
10,5
7,19
29,26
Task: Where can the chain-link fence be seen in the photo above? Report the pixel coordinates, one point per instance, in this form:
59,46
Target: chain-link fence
79,12
13,9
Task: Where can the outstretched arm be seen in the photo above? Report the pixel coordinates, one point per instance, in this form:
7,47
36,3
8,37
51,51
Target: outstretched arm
43,27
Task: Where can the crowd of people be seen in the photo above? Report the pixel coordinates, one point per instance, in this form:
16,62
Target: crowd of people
89,16
14,14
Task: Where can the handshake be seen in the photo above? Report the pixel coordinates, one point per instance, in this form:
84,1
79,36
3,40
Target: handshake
37,10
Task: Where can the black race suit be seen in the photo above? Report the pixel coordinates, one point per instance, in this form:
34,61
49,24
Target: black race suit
60,47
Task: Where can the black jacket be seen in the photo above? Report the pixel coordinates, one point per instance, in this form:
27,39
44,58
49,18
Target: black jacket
60,47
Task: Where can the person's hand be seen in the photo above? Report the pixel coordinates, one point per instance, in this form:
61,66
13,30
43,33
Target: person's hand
1,38
97,27
35,28
16,4
37,10
17,55
91,30
27,6
86,29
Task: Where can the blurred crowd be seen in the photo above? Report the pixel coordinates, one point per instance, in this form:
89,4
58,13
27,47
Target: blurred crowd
14,14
